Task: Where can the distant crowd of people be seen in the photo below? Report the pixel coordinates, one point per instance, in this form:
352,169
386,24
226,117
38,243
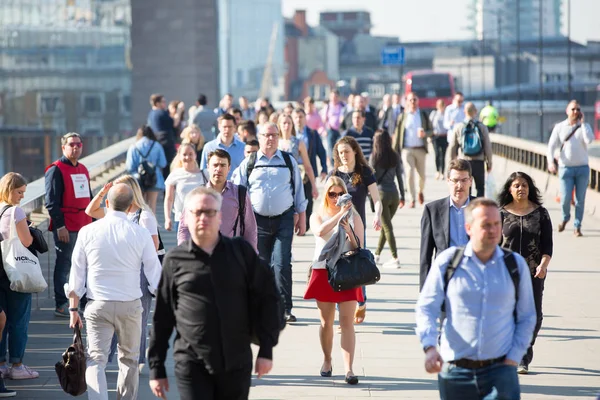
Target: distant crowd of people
239,182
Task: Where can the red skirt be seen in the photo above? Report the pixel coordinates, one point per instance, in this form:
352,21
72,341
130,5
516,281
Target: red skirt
319,289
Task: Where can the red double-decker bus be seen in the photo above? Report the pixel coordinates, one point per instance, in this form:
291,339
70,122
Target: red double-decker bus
429,87
597,114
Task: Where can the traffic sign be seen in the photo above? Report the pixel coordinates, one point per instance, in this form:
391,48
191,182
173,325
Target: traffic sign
392,56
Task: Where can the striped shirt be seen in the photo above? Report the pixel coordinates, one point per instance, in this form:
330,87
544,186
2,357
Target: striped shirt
364,139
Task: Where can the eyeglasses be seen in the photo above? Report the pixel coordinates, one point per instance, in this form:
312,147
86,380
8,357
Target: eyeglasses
75,144
270,135
464,181
208,213
334,195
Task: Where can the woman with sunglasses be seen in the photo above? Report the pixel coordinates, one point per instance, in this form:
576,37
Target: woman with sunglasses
324,223
350,165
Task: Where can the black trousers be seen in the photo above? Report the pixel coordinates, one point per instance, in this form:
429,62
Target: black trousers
309,206
194,382
538,294
478,171
440,145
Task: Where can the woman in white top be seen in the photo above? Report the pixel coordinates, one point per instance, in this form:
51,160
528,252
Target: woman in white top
324,223
184,177
16,305
140,213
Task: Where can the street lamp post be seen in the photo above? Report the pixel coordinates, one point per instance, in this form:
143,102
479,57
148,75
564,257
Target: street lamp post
517,63
541,61
569,49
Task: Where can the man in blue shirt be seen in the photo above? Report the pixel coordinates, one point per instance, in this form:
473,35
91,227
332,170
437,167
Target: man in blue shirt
314,146
162,125
487,330
443,220
227,141
279,208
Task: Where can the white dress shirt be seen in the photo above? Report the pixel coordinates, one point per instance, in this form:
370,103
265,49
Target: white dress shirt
107,258
412,123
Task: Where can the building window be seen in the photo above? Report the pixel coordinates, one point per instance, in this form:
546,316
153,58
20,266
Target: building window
92,103
50,104
125,104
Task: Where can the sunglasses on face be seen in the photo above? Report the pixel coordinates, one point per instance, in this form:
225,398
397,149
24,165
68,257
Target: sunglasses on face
334,195
208,213
75,144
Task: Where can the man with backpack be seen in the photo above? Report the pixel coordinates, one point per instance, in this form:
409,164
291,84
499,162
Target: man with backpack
277,195
487,295
470,141
238,218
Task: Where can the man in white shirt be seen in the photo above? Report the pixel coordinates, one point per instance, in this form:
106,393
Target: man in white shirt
106,263
454,114
571,138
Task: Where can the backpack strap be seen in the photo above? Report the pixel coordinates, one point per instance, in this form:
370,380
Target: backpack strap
513,270
241,211
287,158
451,269
144,157
250,166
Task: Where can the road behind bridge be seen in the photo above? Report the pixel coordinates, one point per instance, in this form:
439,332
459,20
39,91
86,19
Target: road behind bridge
389,359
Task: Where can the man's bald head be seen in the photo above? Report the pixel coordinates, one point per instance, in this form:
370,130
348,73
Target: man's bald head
120,197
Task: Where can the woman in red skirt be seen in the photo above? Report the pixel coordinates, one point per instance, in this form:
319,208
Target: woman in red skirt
324,223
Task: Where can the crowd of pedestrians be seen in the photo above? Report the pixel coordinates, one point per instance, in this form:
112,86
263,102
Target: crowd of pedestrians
253,173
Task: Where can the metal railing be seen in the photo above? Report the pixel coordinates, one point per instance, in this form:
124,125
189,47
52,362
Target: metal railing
533,154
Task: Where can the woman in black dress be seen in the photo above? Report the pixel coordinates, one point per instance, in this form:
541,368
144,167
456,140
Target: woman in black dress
527,230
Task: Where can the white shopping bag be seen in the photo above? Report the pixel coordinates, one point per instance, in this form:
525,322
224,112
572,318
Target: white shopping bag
21,266
490,186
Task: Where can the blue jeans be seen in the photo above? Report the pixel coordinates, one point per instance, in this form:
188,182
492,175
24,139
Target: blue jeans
146,300
275,248
578,178
175,227
332,137
62,268
17,307
496,382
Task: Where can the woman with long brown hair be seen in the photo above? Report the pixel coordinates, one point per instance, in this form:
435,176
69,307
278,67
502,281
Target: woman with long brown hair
324,223
350,165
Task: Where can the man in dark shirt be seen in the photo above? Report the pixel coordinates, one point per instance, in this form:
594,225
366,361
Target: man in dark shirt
216,305
162,125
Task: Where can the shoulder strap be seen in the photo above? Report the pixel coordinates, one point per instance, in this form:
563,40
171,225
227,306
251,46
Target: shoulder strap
287,158
250,166
144,157
451,269
562,144
6,207
241,212
381,177
513,271
137,216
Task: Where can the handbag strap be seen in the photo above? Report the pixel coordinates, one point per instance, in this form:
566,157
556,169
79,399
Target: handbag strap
562,144
354,233
77,335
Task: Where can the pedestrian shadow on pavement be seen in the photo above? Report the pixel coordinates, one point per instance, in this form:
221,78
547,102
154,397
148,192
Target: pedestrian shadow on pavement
570,371
568,338
562,391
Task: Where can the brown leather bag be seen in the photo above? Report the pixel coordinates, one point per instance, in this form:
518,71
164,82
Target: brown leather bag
71,370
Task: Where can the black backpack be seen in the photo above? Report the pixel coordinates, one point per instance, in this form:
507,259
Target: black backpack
241,212
146,170
287,158
509,261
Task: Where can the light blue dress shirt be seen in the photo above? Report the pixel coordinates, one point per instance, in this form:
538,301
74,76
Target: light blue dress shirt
235,150
269,188
458,234
453,113
480,302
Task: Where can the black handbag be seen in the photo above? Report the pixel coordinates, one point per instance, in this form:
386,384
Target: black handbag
355,268
39,243
71,369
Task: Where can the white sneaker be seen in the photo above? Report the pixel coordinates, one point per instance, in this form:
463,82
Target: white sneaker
141,367
23,372
392,263
377,259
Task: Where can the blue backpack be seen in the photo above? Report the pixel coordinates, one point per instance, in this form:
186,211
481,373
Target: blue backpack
471,139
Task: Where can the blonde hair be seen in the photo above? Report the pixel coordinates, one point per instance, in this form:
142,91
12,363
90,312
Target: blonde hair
274,117
138,197
333,181
178,161
185,136
8,183
280,128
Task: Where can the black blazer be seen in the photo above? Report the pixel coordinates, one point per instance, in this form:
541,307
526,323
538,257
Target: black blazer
435,234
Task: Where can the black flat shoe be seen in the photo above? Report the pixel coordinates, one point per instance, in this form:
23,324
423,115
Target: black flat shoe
327,374
351,379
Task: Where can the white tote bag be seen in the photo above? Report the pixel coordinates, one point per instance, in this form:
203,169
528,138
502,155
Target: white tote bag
22,267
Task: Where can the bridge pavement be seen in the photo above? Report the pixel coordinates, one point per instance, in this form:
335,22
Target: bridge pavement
389,359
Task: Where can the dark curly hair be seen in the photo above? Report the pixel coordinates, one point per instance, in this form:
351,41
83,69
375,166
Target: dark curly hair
505,197
361,163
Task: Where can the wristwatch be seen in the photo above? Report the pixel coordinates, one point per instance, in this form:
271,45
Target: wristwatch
427,348
73,309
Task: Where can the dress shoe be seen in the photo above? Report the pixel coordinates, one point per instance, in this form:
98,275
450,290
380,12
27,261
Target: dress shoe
578,232
289,317
327,374
561,226
421,198
351,379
